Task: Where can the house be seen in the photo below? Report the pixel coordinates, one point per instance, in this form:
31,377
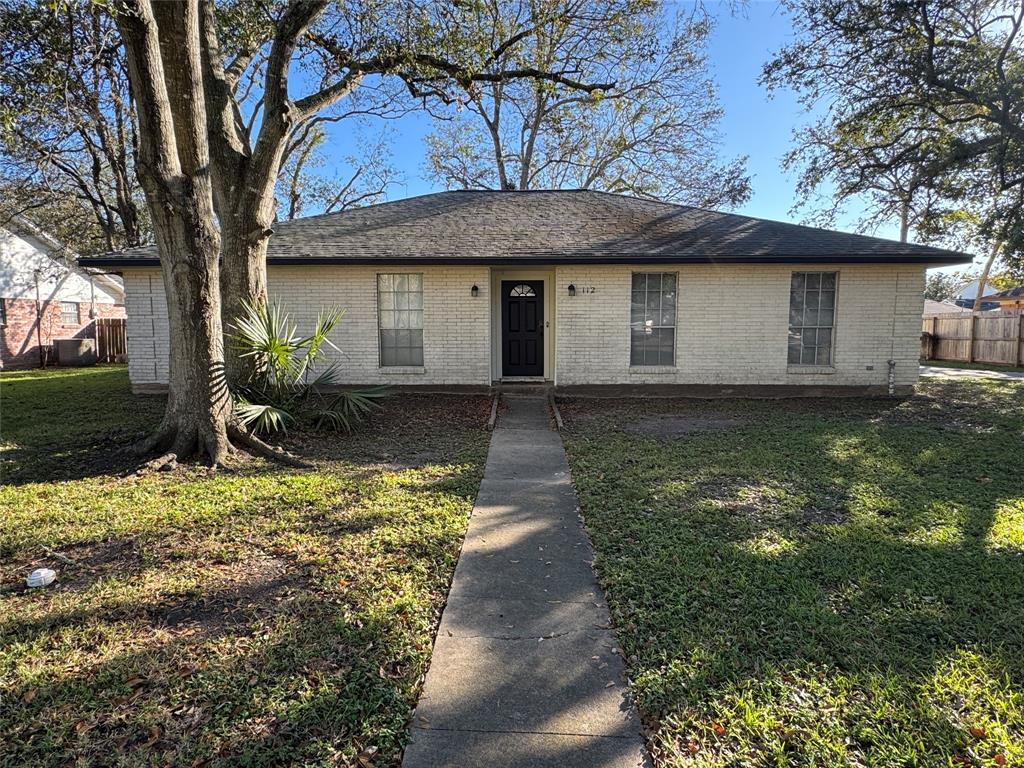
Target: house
965,295
1010,299
936,308
588,291
45,296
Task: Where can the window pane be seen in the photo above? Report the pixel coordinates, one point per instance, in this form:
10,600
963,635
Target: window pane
652,316
668,345
811,318
825,353
400,319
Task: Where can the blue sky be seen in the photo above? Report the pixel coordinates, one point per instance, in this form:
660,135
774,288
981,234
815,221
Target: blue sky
753,124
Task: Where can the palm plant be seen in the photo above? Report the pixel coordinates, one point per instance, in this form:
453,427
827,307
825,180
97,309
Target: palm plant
287,379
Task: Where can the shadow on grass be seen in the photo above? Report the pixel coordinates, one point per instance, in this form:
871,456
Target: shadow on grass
823,584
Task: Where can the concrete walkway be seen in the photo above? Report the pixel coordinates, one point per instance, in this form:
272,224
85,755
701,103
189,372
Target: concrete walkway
942,372
525,669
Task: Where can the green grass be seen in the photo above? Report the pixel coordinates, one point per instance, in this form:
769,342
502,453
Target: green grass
972,366
823,583
260,616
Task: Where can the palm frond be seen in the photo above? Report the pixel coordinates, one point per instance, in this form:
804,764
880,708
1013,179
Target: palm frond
262,418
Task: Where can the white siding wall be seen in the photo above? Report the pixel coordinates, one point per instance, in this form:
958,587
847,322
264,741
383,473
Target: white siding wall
732,323
20,257
731,328
456,333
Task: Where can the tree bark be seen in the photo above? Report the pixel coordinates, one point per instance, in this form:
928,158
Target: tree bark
162,47
983,280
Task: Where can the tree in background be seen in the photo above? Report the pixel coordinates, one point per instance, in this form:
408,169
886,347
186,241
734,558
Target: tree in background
67,131
923,115
653,134
306,183
943,286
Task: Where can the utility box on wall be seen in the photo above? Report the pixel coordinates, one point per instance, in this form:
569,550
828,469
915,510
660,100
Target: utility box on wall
76,351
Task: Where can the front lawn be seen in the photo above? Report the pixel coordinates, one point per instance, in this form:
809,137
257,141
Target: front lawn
815,582
262,616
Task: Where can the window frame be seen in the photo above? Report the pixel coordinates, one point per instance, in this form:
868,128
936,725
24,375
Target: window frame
395,309
63,312
3,313
674,327
830,363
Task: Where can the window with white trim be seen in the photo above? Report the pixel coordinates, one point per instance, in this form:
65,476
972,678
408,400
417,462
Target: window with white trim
400,319
3,312
652,319
812,317
69,313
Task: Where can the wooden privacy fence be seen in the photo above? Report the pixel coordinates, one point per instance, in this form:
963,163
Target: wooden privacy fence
989,337
111,340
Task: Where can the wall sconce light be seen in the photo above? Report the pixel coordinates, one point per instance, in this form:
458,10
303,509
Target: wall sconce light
474,291
572,289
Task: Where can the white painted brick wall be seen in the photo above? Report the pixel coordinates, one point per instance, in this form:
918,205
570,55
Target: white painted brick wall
732,325
731,328
456,335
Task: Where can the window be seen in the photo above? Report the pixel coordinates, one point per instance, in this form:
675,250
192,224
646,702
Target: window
522,290
652,319
69,312
400,316
812,315
3,313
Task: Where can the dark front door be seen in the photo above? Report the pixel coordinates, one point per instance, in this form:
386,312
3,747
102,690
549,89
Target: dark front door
522,327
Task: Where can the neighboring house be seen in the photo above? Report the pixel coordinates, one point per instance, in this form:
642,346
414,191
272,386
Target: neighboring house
934,308
965,295
46,296
586,290
1010,299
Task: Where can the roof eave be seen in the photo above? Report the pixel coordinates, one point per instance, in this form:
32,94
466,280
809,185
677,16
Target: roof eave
929,260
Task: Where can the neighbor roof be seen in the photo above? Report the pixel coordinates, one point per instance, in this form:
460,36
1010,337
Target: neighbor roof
556,227
1009,293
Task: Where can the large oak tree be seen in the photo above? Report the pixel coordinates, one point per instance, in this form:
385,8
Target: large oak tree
922,114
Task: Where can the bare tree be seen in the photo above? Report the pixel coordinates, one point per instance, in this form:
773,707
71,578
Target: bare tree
304,182
651,135
67,129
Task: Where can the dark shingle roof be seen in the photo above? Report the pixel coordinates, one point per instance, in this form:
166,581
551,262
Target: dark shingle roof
556,227
1009,293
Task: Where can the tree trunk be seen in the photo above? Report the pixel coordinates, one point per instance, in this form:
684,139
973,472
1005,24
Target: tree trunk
904,220
162,47
243,279
983,280
198,403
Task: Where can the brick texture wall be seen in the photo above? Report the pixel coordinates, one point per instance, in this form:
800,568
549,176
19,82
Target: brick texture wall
731,329
456,336
19,342
732,325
